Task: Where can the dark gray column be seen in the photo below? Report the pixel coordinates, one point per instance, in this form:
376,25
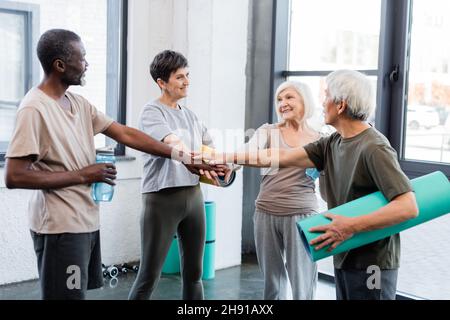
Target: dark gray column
258,104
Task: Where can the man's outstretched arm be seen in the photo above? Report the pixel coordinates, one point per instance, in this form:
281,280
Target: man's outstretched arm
138,140
263,158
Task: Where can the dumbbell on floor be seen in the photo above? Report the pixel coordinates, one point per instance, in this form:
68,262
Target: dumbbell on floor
110,271
130,267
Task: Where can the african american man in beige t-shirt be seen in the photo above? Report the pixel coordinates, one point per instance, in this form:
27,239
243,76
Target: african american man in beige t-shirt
52,151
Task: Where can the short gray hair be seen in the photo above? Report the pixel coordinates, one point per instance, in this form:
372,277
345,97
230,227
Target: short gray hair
55,44
305,93
354,88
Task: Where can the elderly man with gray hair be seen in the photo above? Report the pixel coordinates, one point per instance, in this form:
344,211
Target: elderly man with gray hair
358,160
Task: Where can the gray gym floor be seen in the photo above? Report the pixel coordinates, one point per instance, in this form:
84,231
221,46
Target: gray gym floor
238,283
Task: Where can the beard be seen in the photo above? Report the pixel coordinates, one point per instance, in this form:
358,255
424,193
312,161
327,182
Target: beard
83,80
71,80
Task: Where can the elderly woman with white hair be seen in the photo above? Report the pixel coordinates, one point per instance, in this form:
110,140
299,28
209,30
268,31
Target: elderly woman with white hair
285,196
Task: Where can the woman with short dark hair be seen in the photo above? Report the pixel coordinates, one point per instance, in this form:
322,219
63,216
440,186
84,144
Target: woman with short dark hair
172,198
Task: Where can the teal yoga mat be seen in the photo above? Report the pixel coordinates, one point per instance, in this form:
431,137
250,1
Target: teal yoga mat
172,262
210,245
433,198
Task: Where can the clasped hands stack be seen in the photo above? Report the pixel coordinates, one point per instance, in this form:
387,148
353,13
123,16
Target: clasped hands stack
200,163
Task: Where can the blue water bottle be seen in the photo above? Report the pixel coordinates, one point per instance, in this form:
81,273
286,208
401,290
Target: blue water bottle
313,173
102,191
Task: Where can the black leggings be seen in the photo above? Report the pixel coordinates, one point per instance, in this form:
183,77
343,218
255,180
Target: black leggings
167,212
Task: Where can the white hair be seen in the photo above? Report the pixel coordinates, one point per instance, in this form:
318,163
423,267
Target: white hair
354,88
305,93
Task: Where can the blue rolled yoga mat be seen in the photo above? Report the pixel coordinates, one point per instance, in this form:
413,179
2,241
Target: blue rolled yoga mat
433,199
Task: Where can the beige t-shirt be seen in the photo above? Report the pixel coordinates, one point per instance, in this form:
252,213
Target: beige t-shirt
61,140
284,191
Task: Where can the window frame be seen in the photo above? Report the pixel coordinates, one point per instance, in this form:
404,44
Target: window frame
397,54
117,56
280,51
117,87
31,14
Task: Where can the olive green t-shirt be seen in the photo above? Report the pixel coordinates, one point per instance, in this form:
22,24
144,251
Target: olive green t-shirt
356,167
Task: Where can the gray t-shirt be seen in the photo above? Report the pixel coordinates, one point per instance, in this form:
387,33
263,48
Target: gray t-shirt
356,167
159,121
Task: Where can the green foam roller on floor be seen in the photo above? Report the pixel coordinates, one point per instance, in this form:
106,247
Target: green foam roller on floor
172,262
209,255
432,193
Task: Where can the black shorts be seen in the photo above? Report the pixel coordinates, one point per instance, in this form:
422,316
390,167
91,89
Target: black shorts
68,264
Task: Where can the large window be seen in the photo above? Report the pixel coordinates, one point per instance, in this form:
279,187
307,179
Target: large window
102,26
13,57
418,110
402,46
415,102
18,68
427,130
324,36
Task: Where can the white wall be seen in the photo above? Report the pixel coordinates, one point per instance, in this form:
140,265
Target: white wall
213,36
217,53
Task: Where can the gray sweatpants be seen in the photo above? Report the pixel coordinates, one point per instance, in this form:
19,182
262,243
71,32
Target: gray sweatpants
167,212
282,258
